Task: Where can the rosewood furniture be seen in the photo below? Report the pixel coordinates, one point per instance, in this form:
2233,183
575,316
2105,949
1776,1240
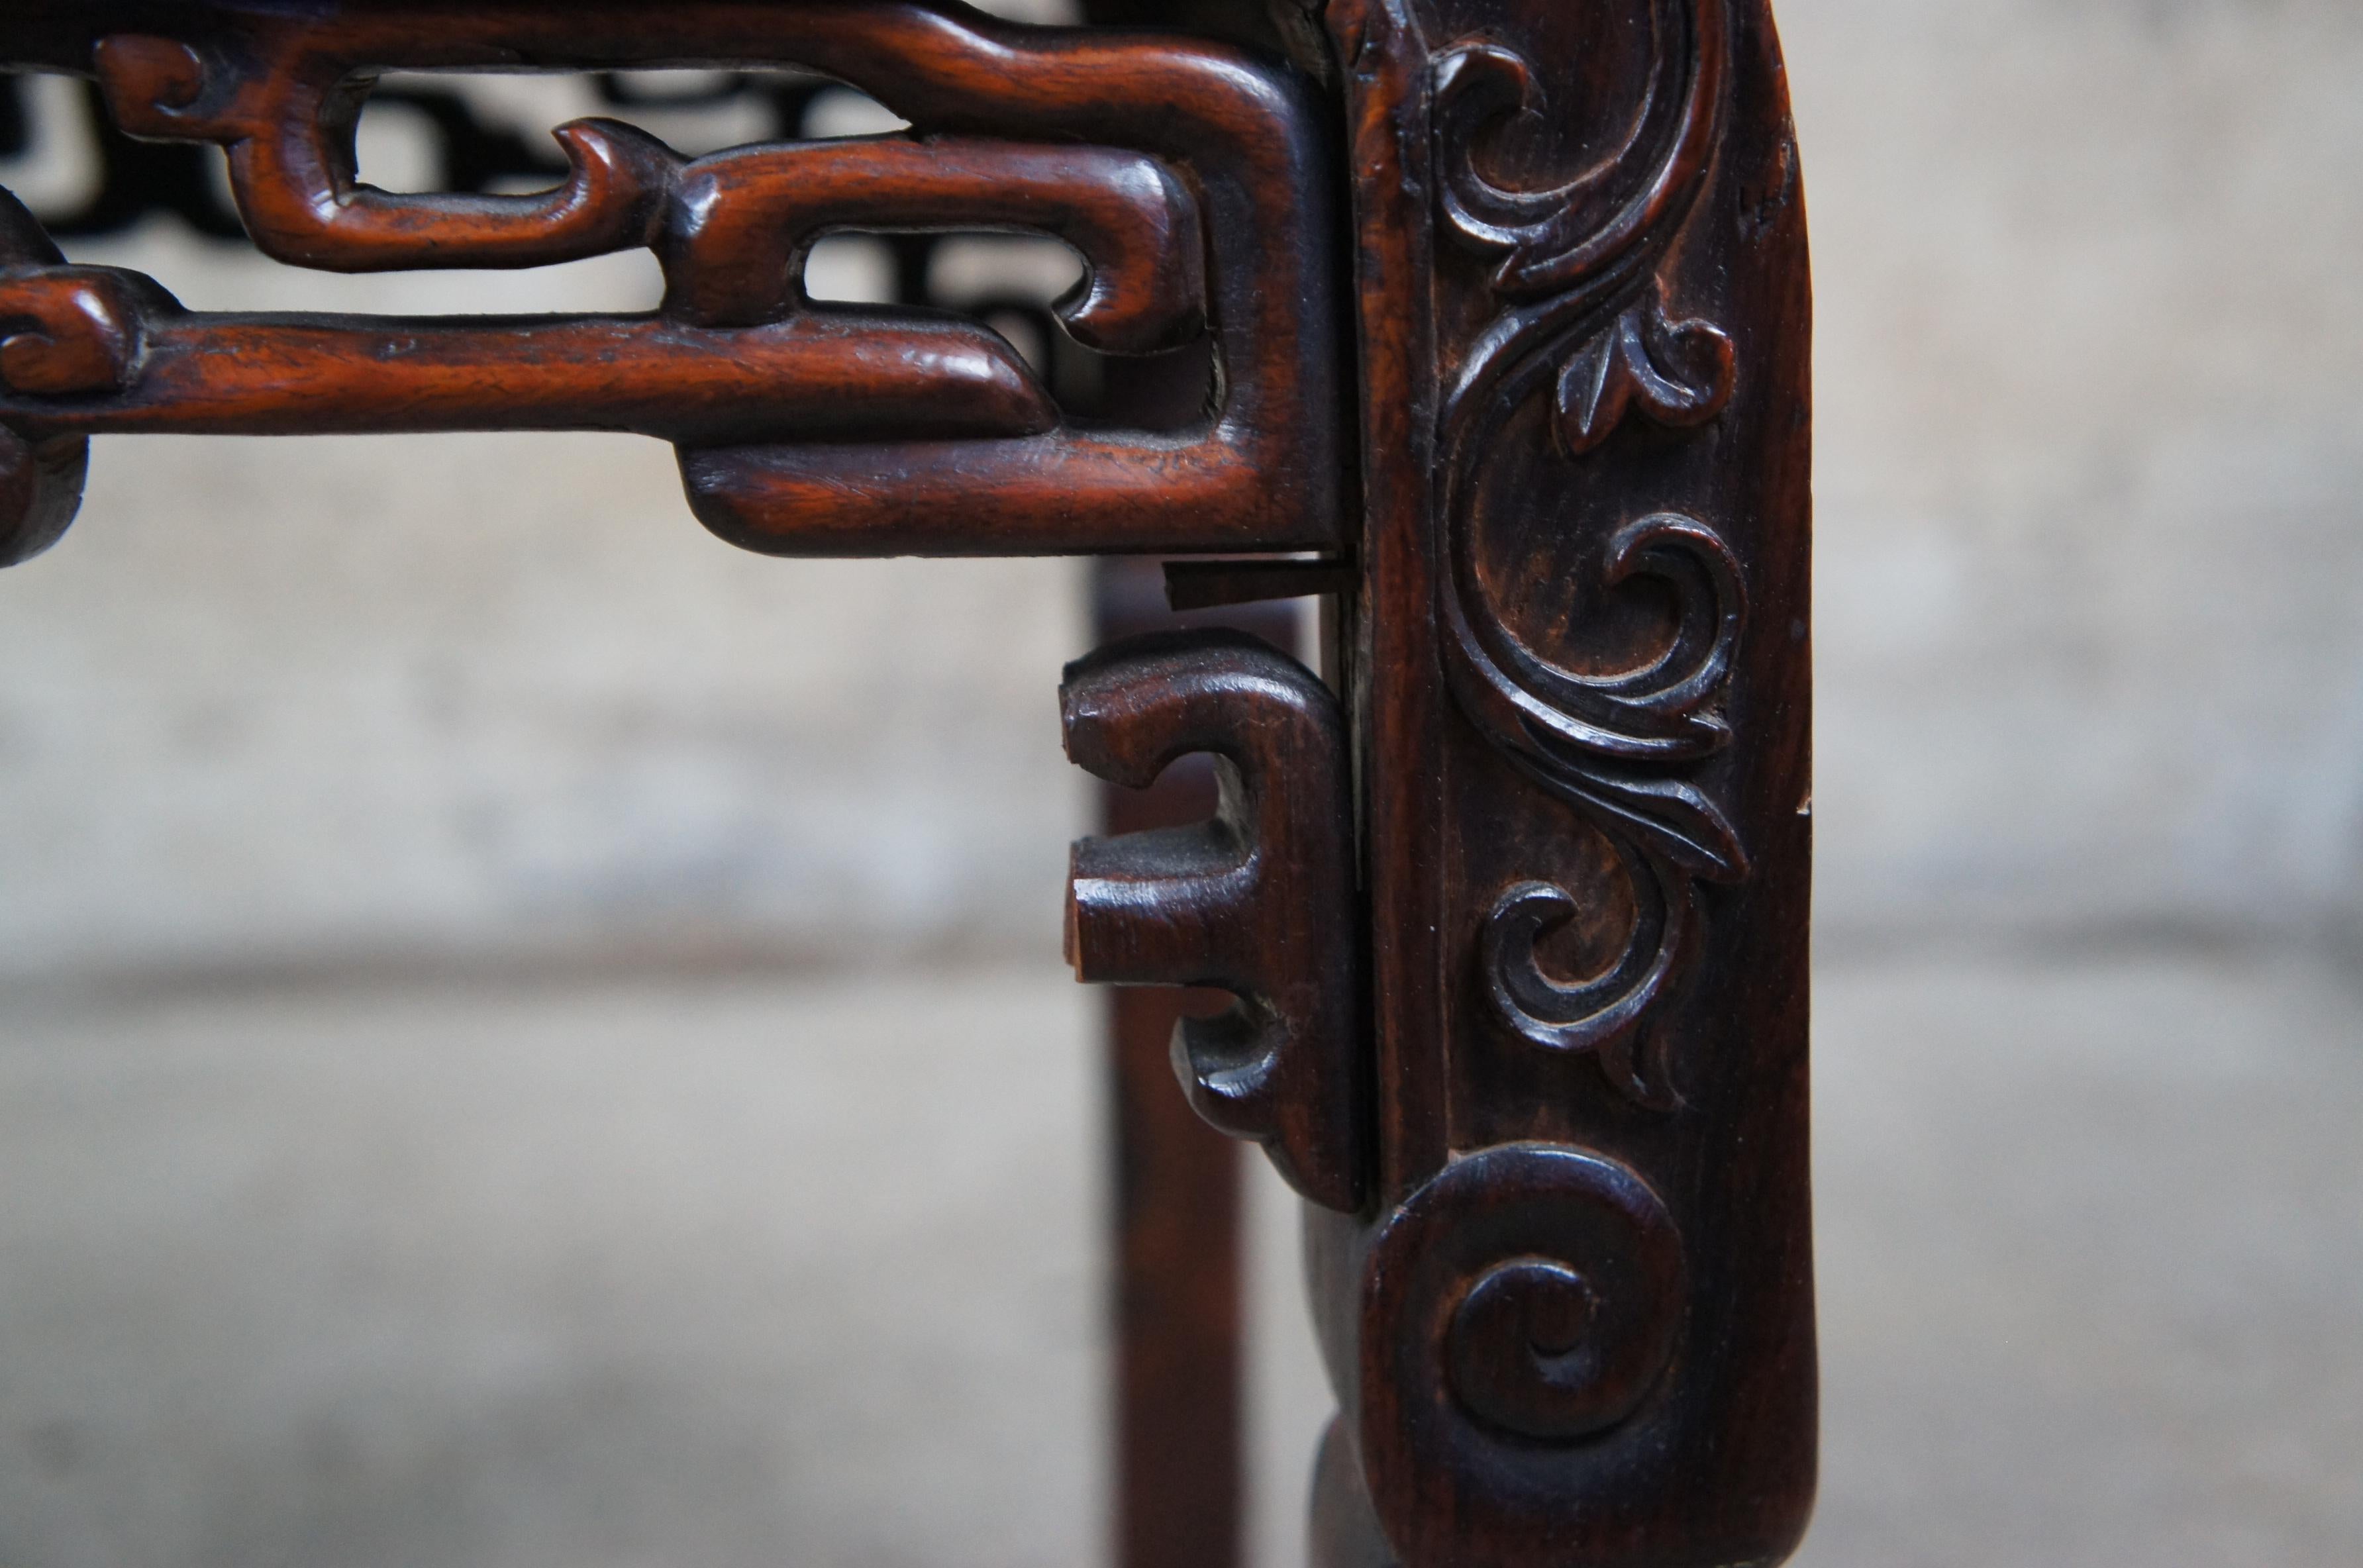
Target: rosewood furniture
1485,322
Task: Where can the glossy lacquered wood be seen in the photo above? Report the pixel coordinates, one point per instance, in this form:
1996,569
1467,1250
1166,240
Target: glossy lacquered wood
1257,901
1577,1325
1175,1205
1510,905
1192,178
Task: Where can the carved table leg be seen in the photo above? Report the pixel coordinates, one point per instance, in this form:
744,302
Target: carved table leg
1578,1326
1178,1387
1515,915
1564,1288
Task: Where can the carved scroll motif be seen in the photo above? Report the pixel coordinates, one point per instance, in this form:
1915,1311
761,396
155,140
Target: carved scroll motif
1187,175
1530,1297
1581,316
1558,1276
1257,901
1578,1327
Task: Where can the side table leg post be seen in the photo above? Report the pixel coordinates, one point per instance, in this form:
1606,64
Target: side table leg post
1178,1383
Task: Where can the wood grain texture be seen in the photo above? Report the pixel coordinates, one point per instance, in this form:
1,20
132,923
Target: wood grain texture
1258,901
1179,1381
1578,1325
1516,926
742,221
1193,178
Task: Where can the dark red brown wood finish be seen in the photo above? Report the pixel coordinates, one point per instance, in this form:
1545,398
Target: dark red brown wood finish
1257,901
917,444
1516,924
1179,1393
1578,1326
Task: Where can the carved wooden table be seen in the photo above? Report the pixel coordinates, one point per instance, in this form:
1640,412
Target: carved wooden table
1486,321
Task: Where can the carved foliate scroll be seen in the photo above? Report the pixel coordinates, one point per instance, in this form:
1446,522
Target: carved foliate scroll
1189,177
1516,921
1578,310
1578,1325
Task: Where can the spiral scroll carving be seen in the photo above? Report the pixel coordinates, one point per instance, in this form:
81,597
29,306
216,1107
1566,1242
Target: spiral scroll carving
1603,1015
1531,1294
1582,316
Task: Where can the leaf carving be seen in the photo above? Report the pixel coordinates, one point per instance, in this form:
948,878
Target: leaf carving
1609,1017
1583,321
1677,374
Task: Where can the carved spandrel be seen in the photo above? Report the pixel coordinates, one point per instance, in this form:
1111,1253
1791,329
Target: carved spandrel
1187,175
1257,901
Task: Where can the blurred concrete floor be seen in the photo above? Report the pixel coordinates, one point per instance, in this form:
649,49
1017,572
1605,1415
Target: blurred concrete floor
806,1272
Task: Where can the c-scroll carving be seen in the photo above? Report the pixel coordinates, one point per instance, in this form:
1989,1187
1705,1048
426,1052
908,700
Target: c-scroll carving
1582,313
1257,901
1528,1297
286,118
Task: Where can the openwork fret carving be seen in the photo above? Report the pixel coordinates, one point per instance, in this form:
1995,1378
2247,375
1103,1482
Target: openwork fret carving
1187,176
1565,1291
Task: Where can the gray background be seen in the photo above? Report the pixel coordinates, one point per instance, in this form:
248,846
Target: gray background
528,1037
